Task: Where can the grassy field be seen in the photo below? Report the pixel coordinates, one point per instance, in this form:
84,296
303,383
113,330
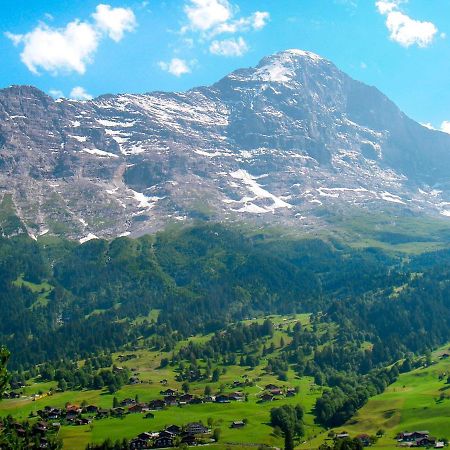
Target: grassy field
147,366
419,400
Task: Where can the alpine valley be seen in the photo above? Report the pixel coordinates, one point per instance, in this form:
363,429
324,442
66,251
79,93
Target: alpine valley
292,141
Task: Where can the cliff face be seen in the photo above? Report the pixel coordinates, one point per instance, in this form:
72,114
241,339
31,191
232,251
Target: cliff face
283,142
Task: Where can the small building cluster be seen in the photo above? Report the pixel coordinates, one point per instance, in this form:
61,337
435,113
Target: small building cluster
418,439
273,392
173,436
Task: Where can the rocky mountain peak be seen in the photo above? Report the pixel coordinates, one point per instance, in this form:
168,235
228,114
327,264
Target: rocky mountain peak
284,142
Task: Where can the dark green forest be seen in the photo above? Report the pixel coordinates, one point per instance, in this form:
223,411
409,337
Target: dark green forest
203,278
62,301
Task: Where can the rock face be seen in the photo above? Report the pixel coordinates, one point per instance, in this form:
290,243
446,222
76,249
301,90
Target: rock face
283,142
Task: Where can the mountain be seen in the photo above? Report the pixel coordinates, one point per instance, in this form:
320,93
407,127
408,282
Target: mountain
289,141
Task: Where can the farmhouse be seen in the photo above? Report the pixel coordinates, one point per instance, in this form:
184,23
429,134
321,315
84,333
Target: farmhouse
196,428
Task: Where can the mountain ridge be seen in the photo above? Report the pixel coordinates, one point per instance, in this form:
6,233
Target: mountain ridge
284,142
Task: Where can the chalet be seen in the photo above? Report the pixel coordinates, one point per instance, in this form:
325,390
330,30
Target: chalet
412,437
163,442
171,400
237,396
73,408
209,398
343,435
222,399
174,429
276,391
291,393
169,393
186,398
128,402
445,356
188,439
196,401
364,439
238,424
145,436
425,441
196,428
118,411
270,387
102,413
91,409
71,415
166,434
156,405
266,397
138,443
137,408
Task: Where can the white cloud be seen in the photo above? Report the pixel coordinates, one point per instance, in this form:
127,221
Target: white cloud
175,66
403,29
206,14
114,21
214,17
71,48
56,93
445,126
229,47
260,19
79,93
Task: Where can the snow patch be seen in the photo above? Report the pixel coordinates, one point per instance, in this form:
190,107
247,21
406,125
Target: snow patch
100,153
89,237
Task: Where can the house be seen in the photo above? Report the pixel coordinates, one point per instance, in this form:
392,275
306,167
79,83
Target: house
128,402
238,424
171,400
156,405
138,408
196,428
439,444
222,398
276,391
117,411
291,393
188,439
145,436
343,435
237,396
91,409
169,393
266,398
102,413
425,441
174,429
186,398
445,356
364,439
196,401
166,434
134,380
163,442
149,415
270,387
412,437
138,443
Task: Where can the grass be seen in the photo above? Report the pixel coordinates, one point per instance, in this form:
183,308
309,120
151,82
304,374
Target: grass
43,289
147,365
411,403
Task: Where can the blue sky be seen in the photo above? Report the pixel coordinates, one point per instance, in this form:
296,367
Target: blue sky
83,48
